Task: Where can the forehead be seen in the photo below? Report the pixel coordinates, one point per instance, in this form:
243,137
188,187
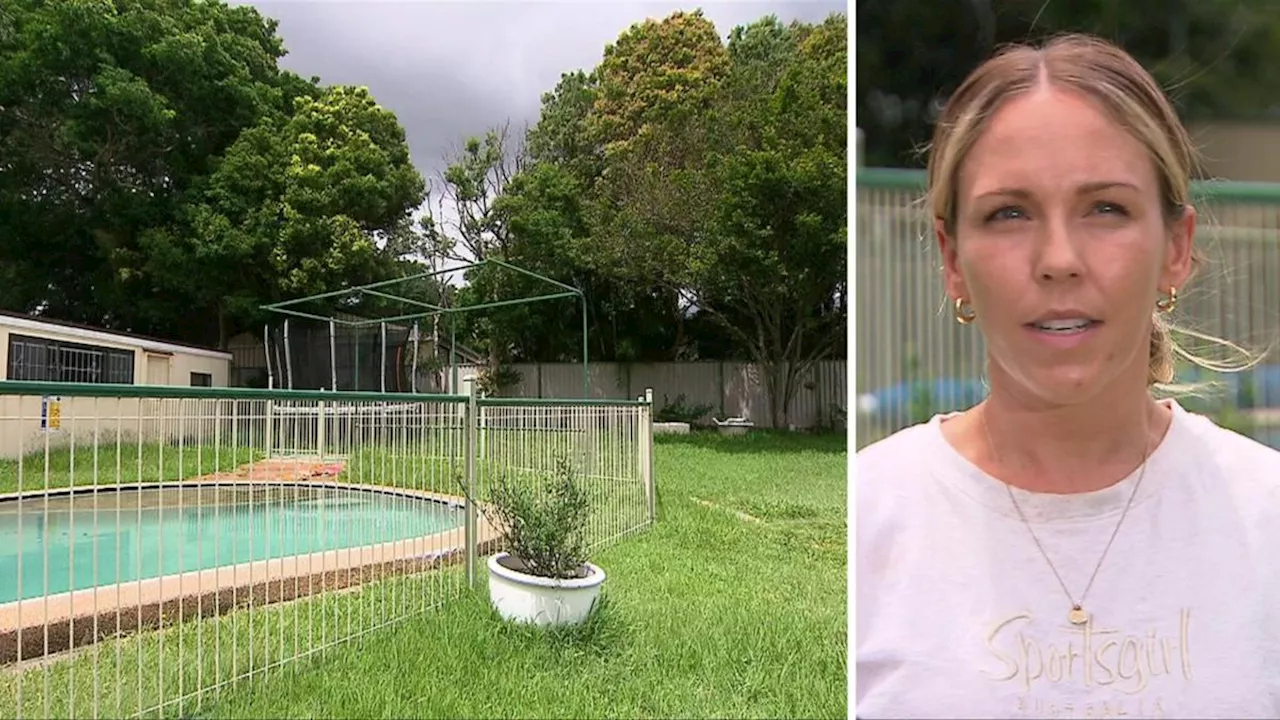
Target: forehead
1052,140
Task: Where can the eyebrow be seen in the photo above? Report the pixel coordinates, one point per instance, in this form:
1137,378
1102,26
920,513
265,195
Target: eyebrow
1084,189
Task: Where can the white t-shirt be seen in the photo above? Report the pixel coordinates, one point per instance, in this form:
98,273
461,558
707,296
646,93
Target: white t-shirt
959,615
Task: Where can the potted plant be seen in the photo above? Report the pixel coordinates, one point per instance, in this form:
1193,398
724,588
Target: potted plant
543,576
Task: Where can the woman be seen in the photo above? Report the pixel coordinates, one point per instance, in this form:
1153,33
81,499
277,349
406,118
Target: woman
1071,546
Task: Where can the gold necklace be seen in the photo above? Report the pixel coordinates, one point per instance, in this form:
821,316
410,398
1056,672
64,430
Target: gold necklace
1077,614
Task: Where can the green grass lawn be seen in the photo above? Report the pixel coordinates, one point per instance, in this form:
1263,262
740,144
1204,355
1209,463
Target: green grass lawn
709,614
112,464
733,605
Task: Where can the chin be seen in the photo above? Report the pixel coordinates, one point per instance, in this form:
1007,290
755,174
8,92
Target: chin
1065,394
1063,387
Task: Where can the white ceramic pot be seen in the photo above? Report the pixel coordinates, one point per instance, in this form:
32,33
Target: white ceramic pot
540,600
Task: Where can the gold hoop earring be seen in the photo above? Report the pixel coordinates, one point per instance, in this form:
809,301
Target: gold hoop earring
1167,305
964,312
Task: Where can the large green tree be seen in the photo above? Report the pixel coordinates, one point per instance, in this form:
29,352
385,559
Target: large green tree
547,209
732,196
695,189
148,146
525,204
770,263
298,205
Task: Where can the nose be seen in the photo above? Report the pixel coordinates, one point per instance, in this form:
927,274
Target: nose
1059,256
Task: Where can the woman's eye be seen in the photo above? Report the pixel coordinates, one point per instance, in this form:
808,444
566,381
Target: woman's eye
1107,208
1006,213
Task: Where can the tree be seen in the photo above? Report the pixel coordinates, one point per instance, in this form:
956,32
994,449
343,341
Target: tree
631,318
467,189
740,207
544,211
659,73
158,168
466,227
772,262
109,113
561,136
298,206
655,89
525,205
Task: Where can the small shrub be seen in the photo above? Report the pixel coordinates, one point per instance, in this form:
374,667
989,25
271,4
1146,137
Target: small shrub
544,522
677,411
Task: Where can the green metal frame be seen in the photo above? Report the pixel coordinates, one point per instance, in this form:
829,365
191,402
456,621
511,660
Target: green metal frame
32,388
1223,190
552,402
26,388
285,308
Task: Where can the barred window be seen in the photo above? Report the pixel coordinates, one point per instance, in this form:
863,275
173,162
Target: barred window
41,359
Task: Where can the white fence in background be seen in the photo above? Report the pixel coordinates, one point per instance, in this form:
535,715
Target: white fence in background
725,389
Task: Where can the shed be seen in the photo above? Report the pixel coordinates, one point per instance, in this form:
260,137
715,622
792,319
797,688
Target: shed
39,349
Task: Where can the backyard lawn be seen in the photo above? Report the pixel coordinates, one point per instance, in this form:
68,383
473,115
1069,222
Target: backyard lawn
734,605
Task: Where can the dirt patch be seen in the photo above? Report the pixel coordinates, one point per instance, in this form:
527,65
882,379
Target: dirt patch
278,470
745,517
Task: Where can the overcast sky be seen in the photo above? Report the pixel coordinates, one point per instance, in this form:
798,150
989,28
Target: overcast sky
449,70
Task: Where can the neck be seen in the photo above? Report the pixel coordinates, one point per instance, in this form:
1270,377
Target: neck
1071,448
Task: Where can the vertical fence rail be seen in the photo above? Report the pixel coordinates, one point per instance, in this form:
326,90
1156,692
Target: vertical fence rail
914,360
157,544
472,418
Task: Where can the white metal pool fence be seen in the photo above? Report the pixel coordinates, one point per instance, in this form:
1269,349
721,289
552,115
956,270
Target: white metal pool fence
159,543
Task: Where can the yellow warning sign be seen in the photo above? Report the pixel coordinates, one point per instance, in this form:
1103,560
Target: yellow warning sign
51,413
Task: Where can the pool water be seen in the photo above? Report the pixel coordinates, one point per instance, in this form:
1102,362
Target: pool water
123,535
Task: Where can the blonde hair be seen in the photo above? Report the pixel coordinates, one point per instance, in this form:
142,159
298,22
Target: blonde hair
1120,85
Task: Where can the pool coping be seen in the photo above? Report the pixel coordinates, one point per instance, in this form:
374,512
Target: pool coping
85,610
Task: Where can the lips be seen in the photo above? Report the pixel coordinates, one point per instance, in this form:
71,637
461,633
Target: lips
1064,326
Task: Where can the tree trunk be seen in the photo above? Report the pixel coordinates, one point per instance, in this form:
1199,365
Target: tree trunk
678,346
495,356
778,370
777,381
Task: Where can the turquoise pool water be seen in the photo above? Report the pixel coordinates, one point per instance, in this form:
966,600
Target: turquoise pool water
84,540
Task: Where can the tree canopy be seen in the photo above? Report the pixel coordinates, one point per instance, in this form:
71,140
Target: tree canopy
695,188
160,173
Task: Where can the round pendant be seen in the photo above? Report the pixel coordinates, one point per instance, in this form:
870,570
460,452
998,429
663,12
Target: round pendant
1078,616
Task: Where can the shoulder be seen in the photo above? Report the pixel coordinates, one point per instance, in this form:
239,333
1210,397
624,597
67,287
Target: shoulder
895,456
890,473
1229,450
1226,460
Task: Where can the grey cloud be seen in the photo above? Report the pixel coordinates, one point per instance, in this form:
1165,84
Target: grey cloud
450,70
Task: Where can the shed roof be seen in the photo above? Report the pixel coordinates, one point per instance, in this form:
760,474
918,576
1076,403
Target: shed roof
36,323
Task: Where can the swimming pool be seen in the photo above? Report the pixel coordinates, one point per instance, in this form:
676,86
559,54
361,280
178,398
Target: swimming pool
89,539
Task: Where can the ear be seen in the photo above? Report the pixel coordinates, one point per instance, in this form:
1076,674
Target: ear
1177,260
952,279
